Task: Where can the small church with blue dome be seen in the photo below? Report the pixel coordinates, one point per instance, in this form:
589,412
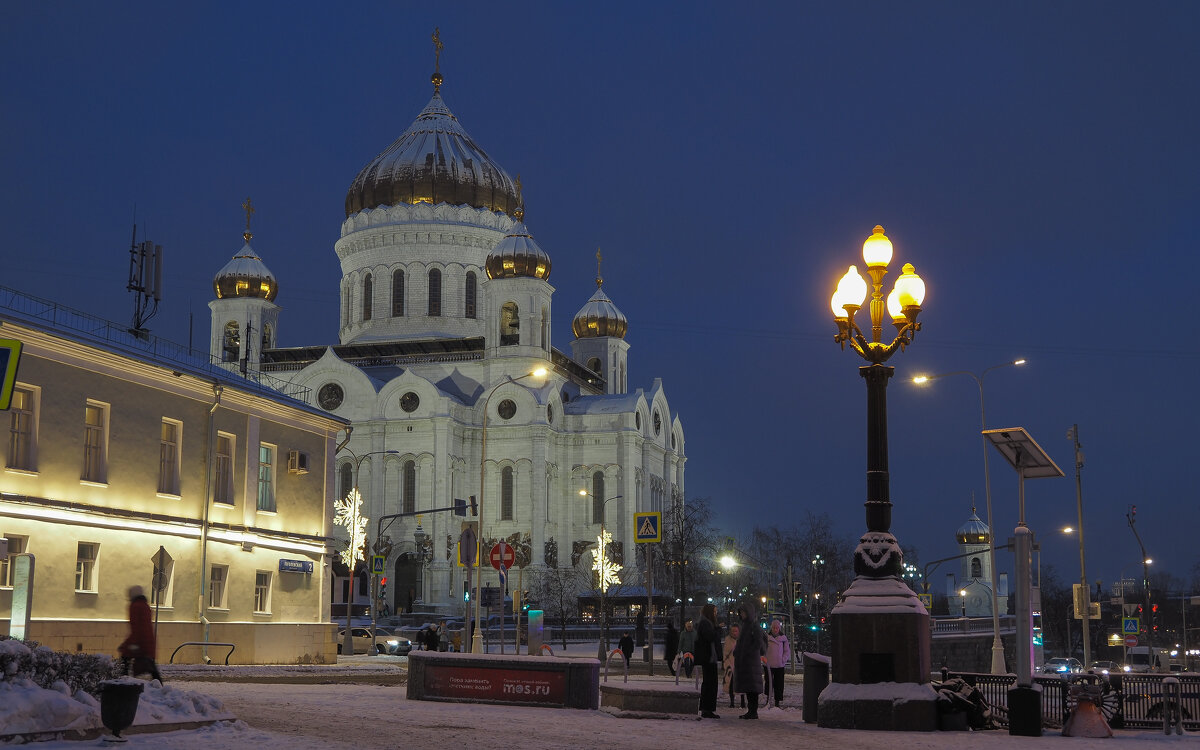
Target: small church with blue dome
970,594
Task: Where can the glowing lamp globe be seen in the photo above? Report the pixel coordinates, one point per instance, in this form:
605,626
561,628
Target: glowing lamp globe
851,290
877,250
910,288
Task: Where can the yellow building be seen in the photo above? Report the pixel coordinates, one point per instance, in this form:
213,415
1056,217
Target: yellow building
124,451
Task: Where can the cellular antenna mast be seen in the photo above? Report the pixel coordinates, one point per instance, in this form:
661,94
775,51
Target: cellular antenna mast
145,281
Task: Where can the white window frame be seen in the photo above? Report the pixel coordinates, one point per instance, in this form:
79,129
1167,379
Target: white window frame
223,470
262,592
169,457
86,567
29,432
16,545
95,445
218,587
266,477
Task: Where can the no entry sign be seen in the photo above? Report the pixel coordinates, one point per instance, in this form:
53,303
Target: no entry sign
503,553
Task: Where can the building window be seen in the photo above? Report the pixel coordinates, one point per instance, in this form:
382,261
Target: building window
397,293
16,546
223,488
161,564
510,323
95,440
410,487
217,577
266,477
368,298
469,296
598,497
168,457
231,342
435,292
346,303
976,568
22,434
545,329
506,494
85,566
262,591
268,338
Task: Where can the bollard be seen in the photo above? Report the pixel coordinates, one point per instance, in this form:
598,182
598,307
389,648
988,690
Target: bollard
1171,699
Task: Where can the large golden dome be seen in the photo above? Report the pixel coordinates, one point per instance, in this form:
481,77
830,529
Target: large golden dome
434,161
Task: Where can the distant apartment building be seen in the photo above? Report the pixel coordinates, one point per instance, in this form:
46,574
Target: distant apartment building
126,456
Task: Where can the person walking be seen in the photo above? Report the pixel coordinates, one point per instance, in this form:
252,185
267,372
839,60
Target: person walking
443,637
748,658
626,646
708,636
671,646
139,650
779,652
730,643
687,647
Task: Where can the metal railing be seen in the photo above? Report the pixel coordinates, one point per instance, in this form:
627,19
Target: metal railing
1139,698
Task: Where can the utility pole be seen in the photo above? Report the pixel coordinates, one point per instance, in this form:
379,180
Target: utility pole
1083,581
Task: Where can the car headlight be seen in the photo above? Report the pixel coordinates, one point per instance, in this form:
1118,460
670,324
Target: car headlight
1126,668
393,643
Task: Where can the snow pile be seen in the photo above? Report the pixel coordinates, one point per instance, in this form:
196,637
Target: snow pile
877,596
26,708
897,692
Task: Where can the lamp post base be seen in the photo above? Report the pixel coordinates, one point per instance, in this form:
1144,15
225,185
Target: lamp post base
998,656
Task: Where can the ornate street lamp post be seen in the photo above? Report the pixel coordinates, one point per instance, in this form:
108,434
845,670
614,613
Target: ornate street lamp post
880,631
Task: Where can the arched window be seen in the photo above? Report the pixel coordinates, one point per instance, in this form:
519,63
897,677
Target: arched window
545,329
506,494
976,568
469,296
410,487
346,304
510,324
345,479
267,338
231,343
598,497
435,292
594,365
368,298
397,293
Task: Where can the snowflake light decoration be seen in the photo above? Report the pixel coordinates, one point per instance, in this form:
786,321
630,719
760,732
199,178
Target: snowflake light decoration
606,570
347,514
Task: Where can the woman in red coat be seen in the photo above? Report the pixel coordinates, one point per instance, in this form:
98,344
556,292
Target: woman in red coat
139,648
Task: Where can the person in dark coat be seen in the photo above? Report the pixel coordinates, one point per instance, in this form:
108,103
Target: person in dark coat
671,646
708,636
748,659
139,650
626,646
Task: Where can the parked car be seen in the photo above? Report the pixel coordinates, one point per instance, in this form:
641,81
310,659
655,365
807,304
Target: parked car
388,642
361,638
1105,667
1062,665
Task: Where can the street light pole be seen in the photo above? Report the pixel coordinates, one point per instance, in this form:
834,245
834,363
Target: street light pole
997,645
1131,517
1083,581
602,554
348,638
477,636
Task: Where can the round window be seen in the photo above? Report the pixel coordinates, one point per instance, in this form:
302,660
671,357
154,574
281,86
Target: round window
506,409
330,396
657,422
410,401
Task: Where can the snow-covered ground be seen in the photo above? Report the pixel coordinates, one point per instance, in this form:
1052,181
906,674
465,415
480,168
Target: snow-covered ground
275,713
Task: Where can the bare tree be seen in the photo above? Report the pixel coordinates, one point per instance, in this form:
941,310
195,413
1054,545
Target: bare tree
557,591
688,547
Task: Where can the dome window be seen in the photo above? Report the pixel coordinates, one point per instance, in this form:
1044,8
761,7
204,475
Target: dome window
232,342
397,293
469,296
367,297
507,409
435,293
510,324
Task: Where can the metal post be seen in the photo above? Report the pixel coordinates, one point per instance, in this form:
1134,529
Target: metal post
650,605
1087,592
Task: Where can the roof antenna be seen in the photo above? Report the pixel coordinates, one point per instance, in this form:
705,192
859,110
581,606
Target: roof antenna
145,281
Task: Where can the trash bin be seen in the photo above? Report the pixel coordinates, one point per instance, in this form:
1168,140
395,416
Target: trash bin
816,678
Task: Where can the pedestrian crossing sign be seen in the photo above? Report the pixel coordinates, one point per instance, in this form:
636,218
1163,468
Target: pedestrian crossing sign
377,564
647,527
1130,625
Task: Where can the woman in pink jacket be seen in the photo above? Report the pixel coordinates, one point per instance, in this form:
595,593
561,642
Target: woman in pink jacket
779,652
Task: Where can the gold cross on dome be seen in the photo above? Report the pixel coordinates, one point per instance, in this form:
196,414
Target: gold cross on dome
599,276
437,49
249,209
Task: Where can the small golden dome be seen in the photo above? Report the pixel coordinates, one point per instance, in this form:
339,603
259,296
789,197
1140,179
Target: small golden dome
245,276
974,531
518,256
599,317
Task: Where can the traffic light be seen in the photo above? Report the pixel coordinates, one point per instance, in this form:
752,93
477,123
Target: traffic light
474,506
525,600
460,506
383,588
466,592
796,598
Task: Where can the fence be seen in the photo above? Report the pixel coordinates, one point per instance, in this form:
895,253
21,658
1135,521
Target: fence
1131,700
